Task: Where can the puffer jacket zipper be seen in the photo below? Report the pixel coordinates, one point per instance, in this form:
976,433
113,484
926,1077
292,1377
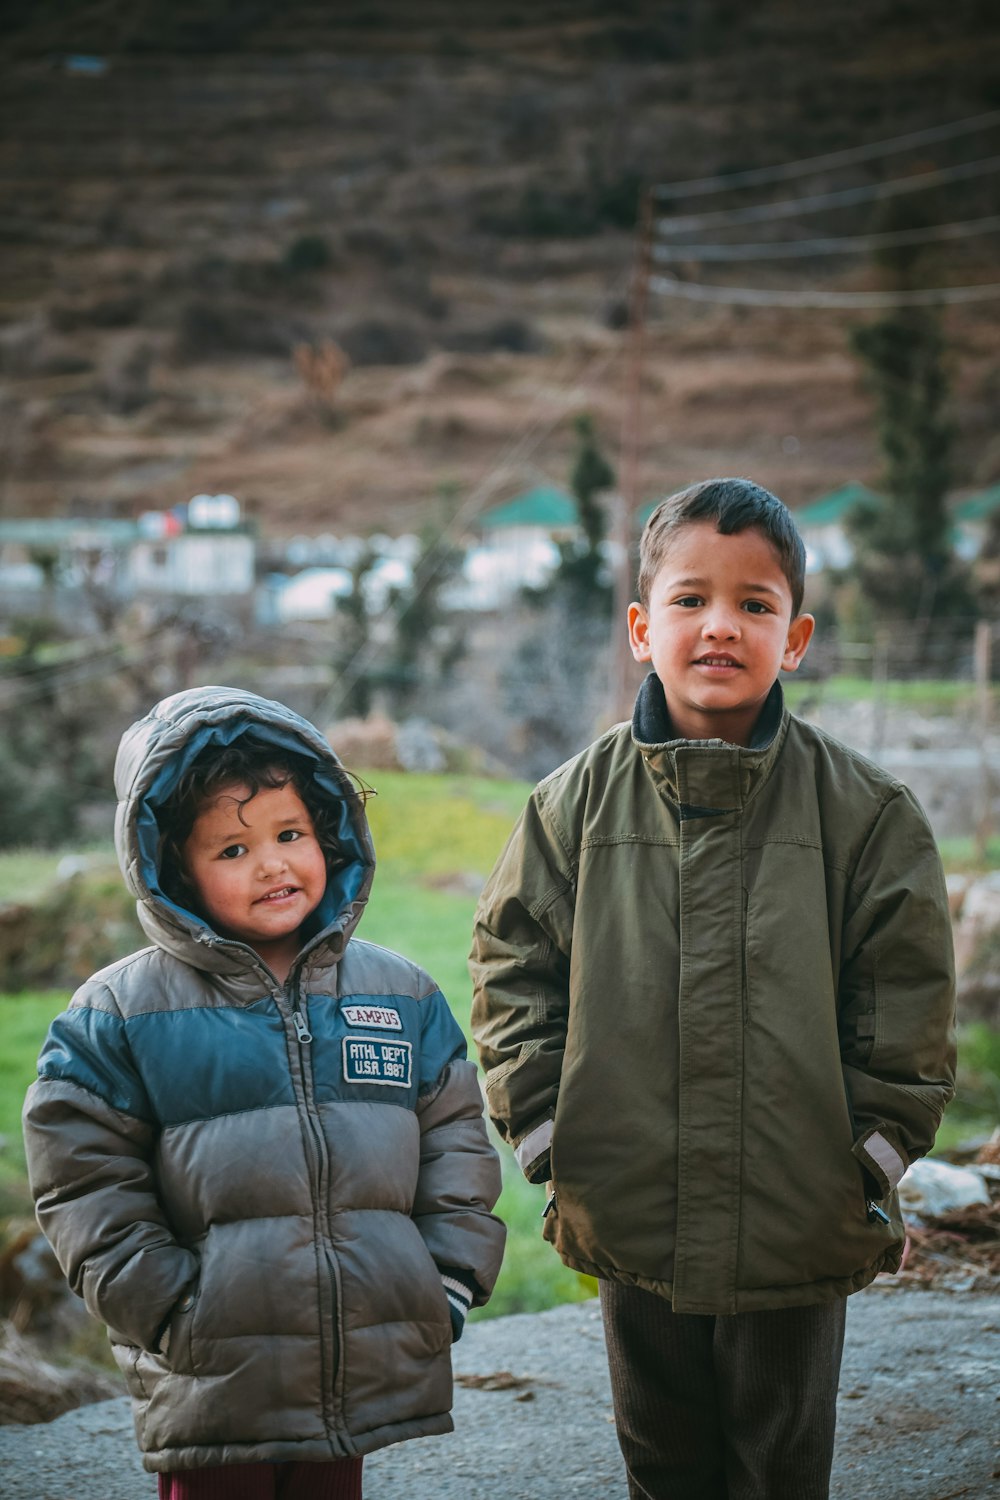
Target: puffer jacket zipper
327,1269
289,1003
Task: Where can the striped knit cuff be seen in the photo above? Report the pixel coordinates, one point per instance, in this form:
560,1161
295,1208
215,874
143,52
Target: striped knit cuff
460,1288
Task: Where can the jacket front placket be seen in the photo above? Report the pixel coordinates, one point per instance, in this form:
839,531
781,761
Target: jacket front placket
710,1023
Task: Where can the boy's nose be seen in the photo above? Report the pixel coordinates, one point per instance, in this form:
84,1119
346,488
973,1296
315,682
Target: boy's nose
721,625
272,860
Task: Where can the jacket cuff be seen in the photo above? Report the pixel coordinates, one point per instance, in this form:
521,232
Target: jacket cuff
460,1287
532,1152
881,1159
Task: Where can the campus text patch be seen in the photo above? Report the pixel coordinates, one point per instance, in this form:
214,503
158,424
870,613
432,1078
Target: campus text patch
383,1017
371,1060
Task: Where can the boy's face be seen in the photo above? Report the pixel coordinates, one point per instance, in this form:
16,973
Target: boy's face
718,630
257,878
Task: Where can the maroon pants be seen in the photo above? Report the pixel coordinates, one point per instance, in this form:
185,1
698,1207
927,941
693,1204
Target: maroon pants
340,1480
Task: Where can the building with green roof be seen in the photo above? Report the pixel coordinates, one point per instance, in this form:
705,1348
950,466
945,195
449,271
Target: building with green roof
834,508
544,508
980,507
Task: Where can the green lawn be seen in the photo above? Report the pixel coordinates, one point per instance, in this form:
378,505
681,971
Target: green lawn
931,696
23,1022
436,840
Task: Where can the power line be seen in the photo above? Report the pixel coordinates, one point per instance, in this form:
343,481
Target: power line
832,245
745,296
787,208
28,690
31,668
698,186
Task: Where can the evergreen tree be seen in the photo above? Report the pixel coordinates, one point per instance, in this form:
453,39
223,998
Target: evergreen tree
353,639
582,561
905,561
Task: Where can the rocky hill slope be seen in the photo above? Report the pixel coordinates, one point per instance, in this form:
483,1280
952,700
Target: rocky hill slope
356,263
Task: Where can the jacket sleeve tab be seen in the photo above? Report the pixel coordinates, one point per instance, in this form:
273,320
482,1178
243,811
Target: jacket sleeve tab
532,1151
881,1158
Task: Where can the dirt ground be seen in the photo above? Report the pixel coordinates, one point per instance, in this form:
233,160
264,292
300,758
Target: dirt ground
918,1416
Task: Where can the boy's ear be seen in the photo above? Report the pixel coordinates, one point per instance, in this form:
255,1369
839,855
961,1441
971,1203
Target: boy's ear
638,632
799,635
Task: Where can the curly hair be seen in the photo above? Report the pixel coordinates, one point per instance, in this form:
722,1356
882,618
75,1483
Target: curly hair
247,763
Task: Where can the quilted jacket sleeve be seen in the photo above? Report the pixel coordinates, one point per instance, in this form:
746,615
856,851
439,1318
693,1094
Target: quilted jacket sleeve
459,1175
520,971
897,994
89,1141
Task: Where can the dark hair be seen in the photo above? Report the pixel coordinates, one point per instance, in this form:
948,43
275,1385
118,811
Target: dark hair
246,762
734,505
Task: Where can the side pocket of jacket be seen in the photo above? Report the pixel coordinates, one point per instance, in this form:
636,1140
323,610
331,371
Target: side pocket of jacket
175,1341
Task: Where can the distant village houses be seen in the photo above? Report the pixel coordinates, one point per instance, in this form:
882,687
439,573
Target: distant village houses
201,549
206,550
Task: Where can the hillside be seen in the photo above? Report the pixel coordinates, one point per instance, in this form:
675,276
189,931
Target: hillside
188,193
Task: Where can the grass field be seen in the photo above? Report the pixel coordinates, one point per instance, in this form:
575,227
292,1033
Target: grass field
929,696
436,839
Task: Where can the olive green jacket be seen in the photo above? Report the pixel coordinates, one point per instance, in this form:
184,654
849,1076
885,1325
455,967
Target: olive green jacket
714,1003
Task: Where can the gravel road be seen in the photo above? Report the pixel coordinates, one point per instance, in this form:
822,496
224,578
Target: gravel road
919,1416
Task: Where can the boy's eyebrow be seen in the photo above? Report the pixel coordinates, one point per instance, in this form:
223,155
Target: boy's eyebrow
230,836
296,820
750,588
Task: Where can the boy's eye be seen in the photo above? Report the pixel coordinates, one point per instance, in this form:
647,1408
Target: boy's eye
288,835
688,601
233,851
755,607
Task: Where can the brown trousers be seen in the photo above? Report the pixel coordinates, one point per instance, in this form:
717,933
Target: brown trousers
723,1408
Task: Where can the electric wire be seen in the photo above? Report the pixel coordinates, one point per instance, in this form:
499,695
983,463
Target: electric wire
831,245
788,208
30,690
695,291
752,177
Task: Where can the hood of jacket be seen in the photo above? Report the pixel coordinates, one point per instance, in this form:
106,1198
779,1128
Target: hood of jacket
153,755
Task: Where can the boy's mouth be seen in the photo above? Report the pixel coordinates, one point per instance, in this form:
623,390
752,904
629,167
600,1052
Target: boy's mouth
280,894
716,659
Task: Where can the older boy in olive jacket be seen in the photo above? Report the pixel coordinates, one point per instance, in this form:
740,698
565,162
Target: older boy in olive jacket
714,998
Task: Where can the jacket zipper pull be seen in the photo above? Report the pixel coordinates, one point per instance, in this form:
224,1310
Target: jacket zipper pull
302,1033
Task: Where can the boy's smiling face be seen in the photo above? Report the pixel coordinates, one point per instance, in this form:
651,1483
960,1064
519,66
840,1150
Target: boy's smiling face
718,630
257,870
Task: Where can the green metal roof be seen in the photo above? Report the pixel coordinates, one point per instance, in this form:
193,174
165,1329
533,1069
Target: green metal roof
65,531
978,507
834,507
545,506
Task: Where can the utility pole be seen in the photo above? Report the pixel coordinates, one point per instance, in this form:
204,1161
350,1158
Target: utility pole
621,672
983,658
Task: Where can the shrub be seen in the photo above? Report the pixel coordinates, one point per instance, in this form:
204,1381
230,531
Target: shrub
212,329
513,335
375,243
376,341
310,252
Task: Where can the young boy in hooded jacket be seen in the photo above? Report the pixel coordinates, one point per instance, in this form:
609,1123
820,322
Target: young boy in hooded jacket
256,1146
714,1002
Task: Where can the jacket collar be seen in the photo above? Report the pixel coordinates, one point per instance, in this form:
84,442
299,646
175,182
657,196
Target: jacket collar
706,776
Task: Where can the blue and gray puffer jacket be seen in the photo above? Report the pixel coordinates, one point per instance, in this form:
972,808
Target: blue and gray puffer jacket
255,1185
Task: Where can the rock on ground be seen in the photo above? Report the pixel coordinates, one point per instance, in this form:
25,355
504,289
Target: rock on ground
918,1416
